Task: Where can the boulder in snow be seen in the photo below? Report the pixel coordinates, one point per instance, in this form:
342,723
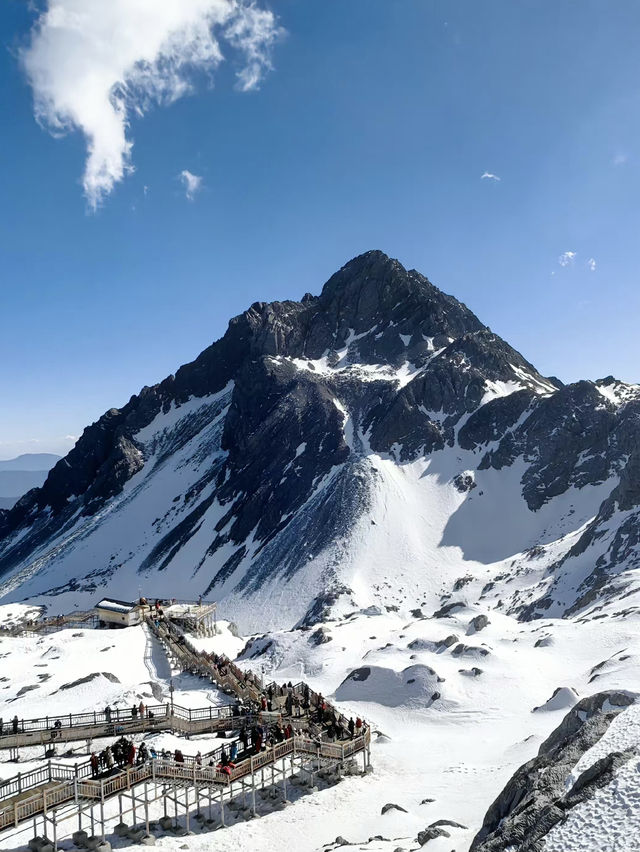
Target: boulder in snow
391,806
563,698
415,684
477,624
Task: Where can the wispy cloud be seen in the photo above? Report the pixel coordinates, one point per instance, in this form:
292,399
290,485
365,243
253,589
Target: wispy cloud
489,176
93,65
567,258
619,160
591,264
192,183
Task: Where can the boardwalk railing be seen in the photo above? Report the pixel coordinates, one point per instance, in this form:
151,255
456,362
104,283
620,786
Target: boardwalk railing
52,771
80,726
74,785
114,716
80,619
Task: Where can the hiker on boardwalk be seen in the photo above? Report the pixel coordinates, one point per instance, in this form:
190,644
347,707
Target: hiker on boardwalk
134,712
358,726
107,713
15,723
178,756
94,765
351,725
131,756
141,709
257,742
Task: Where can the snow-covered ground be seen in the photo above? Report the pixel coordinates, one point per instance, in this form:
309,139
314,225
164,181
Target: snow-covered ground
452,719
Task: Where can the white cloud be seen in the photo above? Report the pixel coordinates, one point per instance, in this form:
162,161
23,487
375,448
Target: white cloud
567,258
591,263
619,160
489,176
192,183
93,64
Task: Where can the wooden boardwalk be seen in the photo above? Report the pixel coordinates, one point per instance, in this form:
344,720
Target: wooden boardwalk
60,791
48,731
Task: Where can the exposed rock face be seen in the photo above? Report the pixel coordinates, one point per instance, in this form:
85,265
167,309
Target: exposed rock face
478,623
252,465
536,798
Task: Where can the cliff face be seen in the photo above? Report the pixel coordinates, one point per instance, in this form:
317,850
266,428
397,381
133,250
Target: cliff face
379,428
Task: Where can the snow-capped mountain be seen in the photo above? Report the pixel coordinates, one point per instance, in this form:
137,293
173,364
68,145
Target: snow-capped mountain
376,446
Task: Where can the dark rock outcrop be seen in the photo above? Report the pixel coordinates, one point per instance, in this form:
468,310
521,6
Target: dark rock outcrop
536,797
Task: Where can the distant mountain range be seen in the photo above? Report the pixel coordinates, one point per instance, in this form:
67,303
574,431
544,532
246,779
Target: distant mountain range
19,475
373,446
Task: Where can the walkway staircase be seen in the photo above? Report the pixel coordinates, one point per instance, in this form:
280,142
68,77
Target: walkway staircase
46,790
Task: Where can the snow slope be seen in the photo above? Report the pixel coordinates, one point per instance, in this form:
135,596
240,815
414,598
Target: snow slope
458,749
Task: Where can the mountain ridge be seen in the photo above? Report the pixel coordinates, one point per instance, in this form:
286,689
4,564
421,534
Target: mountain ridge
265,459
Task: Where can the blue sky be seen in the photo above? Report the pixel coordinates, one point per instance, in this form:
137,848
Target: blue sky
372,130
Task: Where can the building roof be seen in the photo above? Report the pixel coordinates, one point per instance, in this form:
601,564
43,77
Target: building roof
115,605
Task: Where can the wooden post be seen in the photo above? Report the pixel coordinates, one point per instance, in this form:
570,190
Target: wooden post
253,790
146,807
102,834
222,805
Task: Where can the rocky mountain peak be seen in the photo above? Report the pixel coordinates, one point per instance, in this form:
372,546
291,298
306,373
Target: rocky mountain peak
284,449
375,293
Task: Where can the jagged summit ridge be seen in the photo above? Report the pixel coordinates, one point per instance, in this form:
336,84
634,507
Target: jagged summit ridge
322,446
